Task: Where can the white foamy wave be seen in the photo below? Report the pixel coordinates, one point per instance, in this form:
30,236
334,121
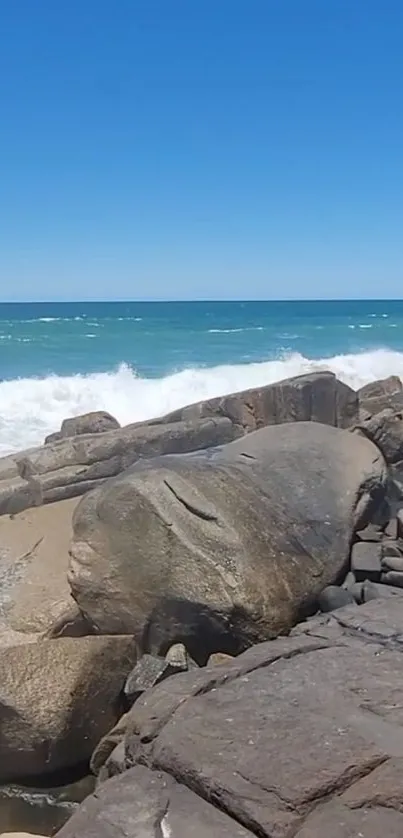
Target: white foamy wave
31,408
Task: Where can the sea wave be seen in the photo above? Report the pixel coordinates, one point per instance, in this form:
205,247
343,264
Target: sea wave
31,408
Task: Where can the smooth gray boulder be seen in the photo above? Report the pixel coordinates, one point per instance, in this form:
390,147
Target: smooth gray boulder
226,547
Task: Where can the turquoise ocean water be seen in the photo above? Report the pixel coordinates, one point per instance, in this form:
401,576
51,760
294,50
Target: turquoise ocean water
141,359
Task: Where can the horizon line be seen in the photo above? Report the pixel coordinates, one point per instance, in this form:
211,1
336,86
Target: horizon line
142,300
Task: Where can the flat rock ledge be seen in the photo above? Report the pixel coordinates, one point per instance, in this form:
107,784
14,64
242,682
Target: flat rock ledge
300,737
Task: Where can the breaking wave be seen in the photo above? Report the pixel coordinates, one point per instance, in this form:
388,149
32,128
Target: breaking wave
31,408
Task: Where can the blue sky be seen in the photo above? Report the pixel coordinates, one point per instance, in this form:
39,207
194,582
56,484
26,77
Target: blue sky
201,149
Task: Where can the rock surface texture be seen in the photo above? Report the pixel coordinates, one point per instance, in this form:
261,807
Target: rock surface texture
230,546
301,736
57,699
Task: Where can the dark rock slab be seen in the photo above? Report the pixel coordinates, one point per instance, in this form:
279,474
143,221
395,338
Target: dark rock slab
286,734
149,670
147,804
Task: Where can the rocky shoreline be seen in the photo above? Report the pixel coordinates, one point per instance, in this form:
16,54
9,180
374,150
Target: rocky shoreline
208,609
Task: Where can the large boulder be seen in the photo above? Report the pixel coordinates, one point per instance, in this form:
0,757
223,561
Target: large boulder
318,397
57,699
226,547
34,557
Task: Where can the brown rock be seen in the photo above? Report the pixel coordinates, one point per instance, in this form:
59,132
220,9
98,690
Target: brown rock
222,548
57,699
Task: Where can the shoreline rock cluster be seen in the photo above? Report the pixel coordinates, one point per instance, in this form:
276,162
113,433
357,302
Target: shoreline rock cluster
167,626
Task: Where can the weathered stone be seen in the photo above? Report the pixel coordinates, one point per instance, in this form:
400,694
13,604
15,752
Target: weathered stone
393,577
318,397
96,422
297,732
385,429
146,804
75,465
177,658
149,670
70,623
383,387
366,560
334,597
400,523
57,699
218,659
222,548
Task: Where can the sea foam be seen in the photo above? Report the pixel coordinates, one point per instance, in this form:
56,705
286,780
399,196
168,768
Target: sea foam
31,408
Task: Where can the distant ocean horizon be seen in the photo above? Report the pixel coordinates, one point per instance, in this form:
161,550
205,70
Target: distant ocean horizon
141,359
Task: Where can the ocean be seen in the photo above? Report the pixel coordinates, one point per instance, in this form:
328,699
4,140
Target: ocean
142,359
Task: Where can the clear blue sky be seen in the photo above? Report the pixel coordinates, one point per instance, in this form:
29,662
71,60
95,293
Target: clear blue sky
201,148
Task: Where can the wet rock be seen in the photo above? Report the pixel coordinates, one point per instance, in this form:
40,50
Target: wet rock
366,560
334,597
